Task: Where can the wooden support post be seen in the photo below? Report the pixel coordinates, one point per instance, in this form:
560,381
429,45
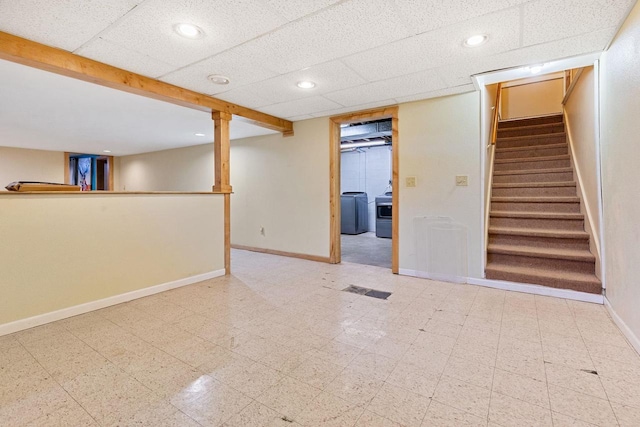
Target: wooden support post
221,152
221,183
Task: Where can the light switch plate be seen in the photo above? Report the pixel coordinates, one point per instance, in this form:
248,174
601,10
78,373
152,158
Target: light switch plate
462,180
410,181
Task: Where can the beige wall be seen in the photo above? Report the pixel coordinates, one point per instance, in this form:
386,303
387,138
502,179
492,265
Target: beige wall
581,126
181,169
439,139
70,250
282,184
620,131
533,99
19,164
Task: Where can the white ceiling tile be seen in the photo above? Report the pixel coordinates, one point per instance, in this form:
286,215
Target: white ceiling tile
294,9
332,33
149,28
438,93
302,117
328,77
439,47
300,107
236,64
245,96
427,15
424,81
547,20
361,107
459,73
66,24
122,57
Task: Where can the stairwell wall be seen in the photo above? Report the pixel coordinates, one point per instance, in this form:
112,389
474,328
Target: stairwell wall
581,127
620,151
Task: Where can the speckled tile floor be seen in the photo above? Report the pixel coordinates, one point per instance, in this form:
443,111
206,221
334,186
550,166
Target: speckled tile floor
278,344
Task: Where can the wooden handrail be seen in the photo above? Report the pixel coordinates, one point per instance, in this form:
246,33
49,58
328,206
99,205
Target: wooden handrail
496,115
573,80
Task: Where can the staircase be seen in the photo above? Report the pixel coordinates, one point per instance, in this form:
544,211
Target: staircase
536,230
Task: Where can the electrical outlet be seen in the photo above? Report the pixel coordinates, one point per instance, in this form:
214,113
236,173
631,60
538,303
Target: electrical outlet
410,181
462,180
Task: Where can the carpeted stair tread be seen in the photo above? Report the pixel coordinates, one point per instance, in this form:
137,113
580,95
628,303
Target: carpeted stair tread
536,230
567,254
529,126
508,123
532,171
581,282
527,137
536,215
533,184
529,147
552,199
533,159
540,232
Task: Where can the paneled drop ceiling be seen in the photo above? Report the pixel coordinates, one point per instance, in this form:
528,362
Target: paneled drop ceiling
360,53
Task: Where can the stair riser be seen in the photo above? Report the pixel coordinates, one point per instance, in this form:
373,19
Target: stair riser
534,177
531,122
547,224
538,242
533,152
552,283
526,165
572,207
509,132
532,142
533,192
549,264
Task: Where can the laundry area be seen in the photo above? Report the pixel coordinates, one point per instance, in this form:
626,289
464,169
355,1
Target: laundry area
366,198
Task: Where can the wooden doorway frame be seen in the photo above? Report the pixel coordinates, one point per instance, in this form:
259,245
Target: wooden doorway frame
335,254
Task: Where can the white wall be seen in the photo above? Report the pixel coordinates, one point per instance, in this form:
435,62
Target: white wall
20,164
282,184
180,169
620,151
67,250
533,99
581,126
369,170
439,139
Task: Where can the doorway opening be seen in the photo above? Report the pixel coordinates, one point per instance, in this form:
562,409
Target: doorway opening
364,196
90,172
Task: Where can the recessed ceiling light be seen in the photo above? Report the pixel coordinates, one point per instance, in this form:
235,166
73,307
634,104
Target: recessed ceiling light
189,31
219,79
306,84
106,151
199,134
476,40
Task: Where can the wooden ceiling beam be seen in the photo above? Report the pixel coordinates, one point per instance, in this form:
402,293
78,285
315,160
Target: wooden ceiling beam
27,52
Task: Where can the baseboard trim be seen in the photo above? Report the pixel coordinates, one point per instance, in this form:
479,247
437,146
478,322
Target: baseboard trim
41,319
539,290
283,253
434,276
628,333
508,286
